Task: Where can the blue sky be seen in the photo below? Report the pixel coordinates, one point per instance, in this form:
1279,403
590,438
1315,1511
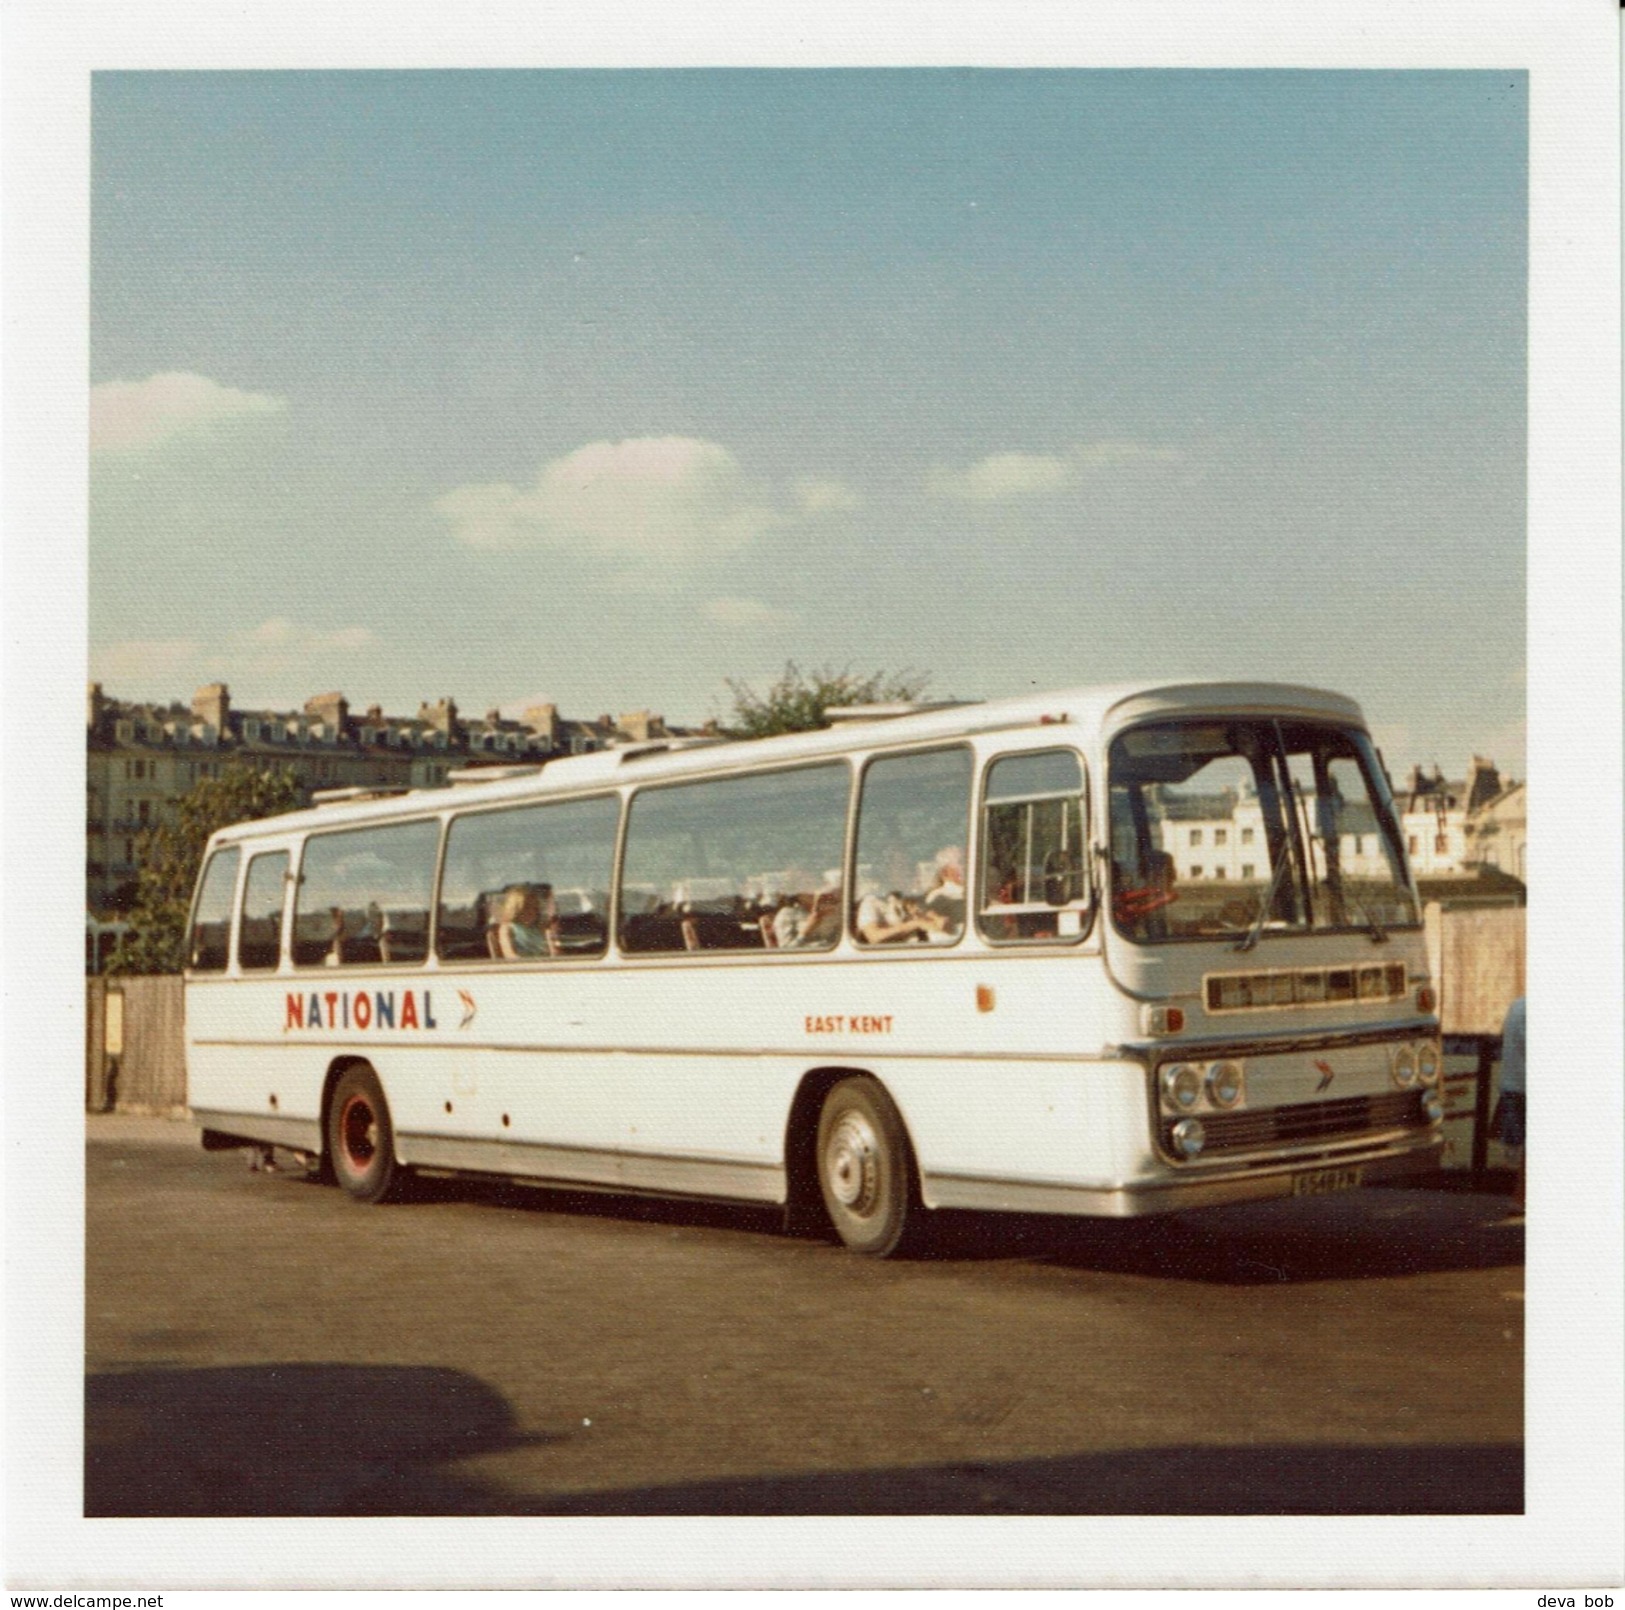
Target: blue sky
603,387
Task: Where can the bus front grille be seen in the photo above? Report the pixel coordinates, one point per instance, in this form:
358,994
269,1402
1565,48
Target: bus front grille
1306,1122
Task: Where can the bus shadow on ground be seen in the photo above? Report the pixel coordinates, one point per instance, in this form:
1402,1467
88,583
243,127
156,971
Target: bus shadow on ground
318,1439
1372,1234
673,1211
1369,1234
288,1439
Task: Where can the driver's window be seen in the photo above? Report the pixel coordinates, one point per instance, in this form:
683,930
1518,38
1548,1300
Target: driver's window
1035,870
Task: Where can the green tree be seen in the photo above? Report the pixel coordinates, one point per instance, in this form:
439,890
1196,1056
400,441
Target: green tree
798,701
170,855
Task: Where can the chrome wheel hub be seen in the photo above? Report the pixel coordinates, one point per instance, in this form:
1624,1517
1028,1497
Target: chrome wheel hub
852,1160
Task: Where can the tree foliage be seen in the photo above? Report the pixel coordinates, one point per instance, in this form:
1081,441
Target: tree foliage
799,701
170,855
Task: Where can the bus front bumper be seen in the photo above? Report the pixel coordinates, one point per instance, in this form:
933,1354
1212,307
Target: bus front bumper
1172,1191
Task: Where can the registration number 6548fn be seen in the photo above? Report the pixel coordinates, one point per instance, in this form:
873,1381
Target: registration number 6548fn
1323,1181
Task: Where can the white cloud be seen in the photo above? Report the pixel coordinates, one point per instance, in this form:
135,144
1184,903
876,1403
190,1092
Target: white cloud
278,649
146,668
1002,475
279,634
666,497
1011,475
126,415
826,497
278,653
744,612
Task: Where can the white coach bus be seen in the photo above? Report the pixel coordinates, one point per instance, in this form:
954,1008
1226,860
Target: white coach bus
1106,951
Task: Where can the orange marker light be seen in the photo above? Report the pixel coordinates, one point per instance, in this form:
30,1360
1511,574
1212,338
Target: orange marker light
984,997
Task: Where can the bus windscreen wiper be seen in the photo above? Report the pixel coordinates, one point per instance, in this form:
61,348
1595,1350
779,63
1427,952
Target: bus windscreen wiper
1267,905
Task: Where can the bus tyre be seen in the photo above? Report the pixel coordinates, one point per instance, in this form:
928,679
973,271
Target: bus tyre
866,1170
361,1139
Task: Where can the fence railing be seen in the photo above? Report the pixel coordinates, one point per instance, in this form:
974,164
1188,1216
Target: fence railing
1471,1065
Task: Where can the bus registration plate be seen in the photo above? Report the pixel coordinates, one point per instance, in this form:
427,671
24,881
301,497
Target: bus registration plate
1323,1181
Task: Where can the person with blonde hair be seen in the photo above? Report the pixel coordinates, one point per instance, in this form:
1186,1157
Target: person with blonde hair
527,922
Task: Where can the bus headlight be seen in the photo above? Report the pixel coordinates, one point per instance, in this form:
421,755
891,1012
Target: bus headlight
1187,1136
1404,1067
1181,1086
1224,1083
1427,1063
1432,1106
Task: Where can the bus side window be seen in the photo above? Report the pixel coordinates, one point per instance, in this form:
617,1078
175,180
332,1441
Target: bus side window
541,870
259,936
1035,882
207,946
911,849
364,896
737,863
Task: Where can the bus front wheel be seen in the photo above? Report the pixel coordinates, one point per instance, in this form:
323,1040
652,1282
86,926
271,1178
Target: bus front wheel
361,1139
866,1170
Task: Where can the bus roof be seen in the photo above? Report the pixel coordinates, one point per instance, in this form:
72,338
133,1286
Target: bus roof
1095,710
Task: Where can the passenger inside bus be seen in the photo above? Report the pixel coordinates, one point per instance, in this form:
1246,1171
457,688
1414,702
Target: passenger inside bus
527,923
335,949
946,897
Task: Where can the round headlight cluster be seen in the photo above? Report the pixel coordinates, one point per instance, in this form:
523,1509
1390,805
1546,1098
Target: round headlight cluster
1224,1084
1415,1065
1187,1136
1432,1105
1181,1086
1404,1066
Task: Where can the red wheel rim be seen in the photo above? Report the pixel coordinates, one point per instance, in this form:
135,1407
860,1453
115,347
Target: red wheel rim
358,1134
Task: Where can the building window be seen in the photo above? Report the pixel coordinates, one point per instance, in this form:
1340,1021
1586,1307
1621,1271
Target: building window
1413,843
1219,872
1197,872
1441,844
1196,836
1246,835
1221,835
1248,871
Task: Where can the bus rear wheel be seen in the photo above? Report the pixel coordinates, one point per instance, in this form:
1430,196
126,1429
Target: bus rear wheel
866,1169
361,1139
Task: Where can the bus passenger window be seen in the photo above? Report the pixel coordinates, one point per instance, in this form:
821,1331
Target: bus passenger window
364,896
737,863
911,849
1034,862
208,943
259,937
528,882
